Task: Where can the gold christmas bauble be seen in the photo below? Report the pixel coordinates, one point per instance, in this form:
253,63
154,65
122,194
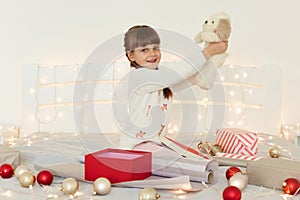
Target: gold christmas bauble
102,186
239,180
204,147
69,186
148,194
275,152
215,149
20,170
27,179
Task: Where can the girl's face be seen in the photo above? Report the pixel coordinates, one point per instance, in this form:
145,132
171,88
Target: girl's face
147,56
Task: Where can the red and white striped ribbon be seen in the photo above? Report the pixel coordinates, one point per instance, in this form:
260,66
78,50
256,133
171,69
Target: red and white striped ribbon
181,148
240,157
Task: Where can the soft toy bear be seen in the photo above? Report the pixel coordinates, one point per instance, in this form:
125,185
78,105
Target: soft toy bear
217,28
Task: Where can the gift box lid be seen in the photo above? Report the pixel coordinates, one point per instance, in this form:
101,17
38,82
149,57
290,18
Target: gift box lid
118,165
124,160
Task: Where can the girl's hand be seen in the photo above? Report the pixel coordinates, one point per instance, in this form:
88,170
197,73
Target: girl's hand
215,48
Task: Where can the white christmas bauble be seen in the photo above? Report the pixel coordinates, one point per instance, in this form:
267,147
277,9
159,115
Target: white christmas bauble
148,194
20,170
239,180
69,186
27,179
102,186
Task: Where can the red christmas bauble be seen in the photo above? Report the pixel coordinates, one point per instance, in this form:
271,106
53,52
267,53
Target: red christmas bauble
44,177
290,186
232,193
6,171
232,171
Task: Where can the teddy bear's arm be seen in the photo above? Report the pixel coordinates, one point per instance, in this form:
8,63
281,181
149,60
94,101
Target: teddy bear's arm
198,38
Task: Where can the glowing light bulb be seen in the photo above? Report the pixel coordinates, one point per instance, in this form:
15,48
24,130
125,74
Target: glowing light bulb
270,137
58,99
60,114
236,76
31,91
179,191
231,93
76,68
238,110
175,128
8,193
181,197
29,142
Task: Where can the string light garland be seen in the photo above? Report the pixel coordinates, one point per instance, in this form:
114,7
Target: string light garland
291,132
9,134
37,98
236,108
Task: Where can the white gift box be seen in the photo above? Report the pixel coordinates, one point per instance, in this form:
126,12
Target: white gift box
10,156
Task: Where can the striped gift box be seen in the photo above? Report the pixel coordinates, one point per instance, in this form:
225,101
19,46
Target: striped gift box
237,141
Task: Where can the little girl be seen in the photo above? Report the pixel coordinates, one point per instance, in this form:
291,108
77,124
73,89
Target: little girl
151,88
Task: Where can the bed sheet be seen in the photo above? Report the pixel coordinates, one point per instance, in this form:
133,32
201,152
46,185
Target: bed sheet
73,146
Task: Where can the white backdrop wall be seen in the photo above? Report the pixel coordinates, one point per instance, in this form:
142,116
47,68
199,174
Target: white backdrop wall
50,32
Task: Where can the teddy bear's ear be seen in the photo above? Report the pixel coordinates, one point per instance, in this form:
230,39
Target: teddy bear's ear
224,29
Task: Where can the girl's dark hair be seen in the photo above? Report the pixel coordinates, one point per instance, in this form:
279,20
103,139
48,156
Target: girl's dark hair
140,36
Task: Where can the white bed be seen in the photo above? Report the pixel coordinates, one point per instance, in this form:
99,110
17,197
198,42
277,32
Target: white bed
51,135
47,148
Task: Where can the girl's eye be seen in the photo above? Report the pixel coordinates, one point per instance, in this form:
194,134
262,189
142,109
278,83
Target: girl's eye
156,48
144,50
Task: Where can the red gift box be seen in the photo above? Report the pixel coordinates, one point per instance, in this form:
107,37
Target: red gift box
118,165
237,141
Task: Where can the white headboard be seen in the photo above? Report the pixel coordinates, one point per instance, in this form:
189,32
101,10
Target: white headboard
252,99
